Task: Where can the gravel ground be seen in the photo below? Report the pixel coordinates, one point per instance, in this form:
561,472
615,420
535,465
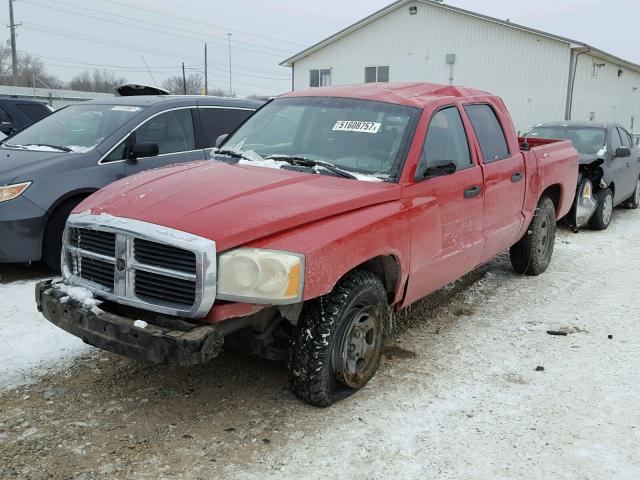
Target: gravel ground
461,392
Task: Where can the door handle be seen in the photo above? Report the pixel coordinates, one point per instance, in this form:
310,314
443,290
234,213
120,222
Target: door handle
472,191
516,177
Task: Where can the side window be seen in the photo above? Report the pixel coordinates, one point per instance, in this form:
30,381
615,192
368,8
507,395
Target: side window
493,142
172,131
626,138
446,141
218,121
35,111
616,142
4,117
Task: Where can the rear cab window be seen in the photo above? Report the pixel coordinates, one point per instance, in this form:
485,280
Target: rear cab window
488,130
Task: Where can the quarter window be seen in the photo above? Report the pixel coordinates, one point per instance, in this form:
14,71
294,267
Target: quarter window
446,141
616,142
376,74
493,142
4,117
172,131
320,77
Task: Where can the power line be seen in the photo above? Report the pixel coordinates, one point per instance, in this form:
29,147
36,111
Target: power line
138,27
206,24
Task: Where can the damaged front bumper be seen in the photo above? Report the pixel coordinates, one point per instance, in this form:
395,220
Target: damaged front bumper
163,341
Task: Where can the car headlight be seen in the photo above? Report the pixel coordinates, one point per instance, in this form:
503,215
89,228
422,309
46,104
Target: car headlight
260,276
9,192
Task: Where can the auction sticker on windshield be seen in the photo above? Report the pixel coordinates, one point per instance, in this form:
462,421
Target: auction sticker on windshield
353,126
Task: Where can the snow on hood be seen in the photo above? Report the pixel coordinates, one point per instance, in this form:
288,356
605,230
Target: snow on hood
46,148
233,204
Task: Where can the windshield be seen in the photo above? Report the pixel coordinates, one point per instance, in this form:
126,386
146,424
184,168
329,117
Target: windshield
358,136
587,140
77,128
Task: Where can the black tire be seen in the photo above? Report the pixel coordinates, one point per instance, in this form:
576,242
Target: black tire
52,240
604,210
634,200
336,347
532,254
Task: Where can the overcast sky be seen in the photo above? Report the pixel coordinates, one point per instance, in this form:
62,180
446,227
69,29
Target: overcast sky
74,35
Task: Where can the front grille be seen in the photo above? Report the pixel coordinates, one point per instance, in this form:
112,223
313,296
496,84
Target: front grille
174,274
164,256
96,241
152,286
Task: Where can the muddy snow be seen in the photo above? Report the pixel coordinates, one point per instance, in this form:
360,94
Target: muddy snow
471,386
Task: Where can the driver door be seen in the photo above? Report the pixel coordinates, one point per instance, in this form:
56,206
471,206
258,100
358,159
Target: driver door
173,132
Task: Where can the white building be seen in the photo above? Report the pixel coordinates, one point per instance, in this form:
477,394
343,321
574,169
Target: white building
540,76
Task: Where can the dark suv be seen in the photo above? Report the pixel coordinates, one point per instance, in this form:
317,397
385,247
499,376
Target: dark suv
16,114
48,168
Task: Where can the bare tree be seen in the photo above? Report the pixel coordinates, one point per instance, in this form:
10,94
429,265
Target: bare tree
96,81
31,71
194,83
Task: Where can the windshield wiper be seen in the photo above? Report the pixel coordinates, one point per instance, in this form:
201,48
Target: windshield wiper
232,153
57,147
300,161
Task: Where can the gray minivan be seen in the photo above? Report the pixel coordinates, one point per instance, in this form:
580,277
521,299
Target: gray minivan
49,167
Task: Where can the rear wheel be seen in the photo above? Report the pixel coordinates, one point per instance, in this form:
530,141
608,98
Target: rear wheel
337,344
634,200
52,242
532,254
604,210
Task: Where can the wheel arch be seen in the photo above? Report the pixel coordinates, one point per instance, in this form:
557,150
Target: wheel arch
387,269
554,192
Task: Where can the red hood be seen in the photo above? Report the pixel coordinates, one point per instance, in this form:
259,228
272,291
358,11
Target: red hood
233,204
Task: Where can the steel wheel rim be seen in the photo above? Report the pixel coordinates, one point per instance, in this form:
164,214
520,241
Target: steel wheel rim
356,357
544,244
607,209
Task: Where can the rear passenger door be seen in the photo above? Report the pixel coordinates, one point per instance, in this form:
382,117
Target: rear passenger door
632,164
216,121
618,167
504,180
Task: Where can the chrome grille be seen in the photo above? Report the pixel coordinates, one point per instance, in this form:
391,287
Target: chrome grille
140,264
164,256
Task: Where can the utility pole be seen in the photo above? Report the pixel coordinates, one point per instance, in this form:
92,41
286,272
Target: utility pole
230,82
14,52
206,81
184,81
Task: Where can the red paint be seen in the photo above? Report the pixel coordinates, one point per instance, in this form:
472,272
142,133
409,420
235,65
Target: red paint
434,234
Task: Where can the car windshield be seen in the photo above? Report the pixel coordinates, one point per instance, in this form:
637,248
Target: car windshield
76,128
362,137
587,140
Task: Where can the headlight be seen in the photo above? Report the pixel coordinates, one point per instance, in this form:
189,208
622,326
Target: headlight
9,192
260,276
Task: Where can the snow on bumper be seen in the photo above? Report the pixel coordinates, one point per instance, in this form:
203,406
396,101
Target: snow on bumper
165,341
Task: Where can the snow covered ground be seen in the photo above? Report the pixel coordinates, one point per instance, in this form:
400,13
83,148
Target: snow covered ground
459,394
29,345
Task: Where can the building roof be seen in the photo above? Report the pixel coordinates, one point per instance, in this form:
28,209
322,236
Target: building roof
411,94
400,3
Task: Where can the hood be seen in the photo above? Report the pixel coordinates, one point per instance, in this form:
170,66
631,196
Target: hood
233,204
589,158
16,163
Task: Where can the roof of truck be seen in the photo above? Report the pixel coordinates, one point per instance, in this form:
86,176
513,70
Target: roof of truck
412,94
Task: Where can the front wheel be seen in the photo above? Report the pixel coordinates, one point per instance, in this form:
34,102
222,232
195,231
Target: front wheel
604,210
532,254
336,347
634,200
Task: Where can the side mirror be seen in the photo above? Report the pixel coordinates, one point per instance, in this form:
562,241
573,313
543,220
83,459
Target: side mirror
221,139
144,149
439,169
623,152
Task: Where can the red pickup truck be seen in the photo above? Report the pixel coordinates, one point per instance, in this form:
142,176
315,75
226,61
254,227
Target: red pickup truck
319,216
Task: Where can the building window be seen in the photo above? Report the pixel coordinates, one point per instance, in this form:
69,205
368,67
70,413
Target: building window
595,73
376,74
320,77
592,116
